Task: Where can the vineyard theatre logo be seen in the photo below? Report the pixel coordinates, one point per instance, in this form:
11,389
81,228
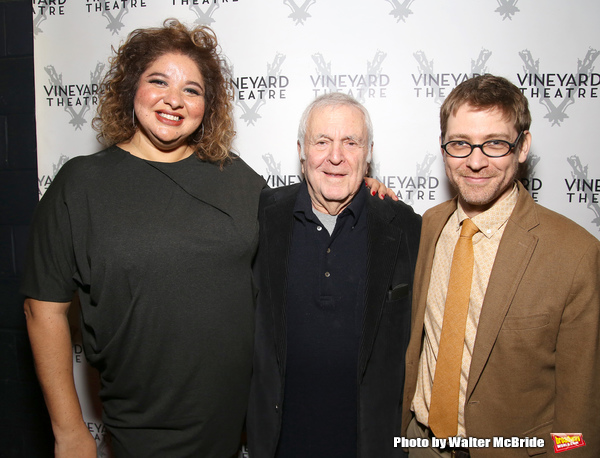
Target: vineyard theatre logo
583,190
38,18
274,178
75,99
203,17
562,88
203,9
78,354
113,11
372,84
430,84
98,432
47,8
45,181
507,8
529,180
42,9
421,186
299,13
402,10
252,92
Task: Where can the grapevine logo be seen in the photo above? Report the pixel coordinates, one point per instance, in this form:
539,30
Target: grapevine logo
562,88
420,186
98,431
402,10
113,11
100,434
202,17
567,441
45,181
507,8
274,178
203,9
371,84
38,18
583,190
429,84
44,8
252,92
75,99
530,181
299,13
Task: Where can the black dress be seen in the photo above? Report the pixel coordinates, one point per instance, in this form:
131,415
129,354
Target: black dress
160,254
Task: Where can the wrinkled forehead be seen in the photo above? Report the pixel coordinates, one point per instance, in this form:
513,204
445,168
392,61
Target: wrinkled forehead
341,118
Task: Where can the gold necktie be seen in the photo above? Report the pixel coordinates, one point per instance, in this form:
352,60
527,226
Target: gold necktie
443,412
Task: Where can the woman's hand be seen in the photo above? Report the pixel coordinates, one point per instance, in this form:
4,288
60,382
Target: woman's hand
376,187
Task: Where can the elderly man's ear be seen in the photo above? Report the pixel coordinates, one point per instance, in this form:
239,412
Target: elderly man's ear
301,156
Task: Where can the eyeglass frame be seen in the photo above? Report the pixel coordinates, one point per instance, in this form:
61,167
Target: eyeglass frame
511,146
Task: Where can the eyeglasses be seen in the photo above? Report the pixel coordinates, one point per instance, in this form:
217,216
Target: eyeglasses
491,148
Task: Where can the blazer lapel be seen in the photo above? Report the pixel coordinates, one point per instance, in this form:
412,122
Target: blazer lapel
433,224
383,241
515,251
278,224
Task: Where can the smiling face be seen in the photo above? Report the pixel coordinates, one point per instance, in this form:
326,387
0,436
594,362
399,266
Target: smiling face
169,105
479,180
336,153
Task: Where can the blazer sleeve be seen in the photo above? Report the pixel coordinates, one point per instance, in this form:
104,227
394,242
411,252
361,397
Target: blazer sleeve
577,407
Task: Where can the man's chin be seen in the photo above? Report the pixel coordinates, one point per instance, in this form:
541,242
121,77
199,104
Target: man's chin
475,196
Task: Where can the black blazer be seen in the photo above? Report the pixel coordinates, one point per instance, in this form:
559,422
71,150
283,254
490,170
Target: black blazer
393,238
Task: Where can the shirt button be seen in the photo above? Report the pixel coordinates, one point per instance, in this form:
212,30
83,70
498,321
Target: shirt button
327,274
319,228
489,231
328,250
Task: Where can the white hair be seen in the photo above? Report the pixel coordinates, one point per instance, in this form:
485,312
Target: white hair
334,99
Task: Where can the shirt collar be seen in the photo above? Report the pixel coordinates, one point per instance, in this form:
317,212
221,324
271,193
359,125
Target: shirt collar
491,220
303,205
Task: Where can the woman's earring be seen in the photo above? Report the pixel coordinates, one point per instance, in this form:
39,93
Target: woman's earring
201,135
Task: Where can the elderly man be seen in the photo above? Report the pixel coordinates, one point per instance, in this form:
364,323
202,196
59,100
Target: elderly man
506,314
335,272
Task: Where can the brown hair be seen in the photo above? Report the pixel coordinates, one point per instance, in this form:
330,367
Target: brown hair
485,92
114,120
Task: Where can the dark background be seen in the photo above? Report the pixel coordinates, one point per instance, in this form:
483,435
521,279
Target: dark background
24,425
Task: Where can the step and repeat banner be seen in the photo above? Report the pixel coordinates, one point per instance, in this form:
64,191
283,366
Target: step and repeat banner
400,58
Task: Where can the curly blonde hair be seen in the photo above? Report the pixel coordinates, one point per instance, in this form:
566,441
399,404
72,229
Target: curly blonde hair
114,119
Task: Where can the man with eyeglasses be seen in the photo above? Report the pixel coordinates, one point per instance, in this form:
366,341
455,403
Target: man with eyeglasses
505,346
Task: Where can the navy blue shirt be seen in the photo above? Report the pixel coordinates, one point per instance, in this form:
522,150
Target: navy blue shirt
324,316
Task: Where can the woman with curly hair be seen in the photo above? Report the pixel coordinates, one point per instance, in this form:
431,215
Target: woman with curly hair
156,233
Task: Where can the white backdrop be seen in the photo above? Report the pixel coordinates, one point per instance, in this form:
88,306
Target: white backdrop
399,57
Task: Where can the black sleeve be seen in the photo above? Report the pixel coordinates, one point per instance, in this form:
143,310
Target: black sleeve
50,260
